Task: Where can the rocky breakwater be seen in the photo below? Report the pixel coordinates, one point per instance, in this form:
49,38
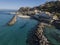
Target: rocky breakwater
40,34
37,36
12,21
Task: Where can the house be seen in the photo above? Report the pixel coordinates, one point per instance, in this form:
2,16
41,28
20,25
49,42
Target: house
55,17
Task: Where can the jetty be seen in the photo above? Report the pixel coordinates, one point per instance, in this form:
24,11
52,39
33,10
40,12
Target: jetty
13,20
40,34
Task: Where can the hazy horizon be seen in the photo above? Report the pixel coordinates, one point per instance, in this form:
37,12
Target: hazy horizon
16,4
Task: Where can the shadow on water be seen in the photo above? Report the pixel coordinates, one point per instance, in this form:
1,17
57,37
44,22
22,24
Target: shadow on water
56,23
23,25
32,39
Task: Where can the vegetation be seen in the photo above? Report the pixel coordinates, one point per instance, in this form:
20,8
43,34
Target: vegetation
52,7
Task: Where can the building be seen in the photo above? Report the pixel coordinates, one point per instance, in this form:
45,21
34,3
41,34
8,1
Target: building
55,17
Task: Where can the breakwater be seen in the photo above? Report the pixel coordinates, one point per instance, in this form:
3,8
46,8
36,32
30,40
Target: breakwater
13,20
37,36
40,34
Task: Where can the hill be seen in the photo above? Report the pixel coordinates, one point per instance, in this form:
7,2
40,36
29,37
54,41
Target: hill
52,7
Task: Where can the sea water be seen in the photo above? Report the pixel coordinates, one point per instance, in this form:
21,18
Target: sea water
17,33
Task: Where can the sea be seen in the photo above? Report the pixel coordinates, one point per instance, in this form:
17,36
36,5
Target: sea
17,33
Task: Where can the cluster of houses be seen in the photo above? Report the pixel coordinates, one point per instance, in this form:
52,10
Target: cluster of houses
37,12
40,15
31,12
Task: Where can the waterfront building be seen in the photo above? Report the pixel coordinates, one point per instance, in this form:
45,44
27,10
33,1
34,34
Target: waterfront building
55,17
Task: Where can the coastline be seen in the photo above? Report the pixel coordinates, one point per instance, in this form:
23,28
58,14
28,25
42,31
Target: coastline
38,34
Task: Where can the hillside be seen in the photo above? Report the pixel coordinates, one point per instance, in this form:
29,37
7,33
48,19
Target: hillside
52,7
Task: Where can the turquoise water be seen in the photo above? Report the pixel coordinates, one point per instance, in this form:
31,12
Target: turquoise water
52,34
16,34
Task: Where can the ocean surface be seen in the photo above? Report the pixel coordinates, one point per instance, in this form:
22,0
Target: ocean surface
52,34
17,33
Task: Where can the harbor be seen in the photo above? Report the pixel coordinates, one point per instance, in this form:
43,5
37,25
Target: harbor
30,22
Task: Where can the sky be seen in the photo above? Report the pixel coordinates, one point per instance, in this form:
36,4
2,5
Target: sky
16,4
